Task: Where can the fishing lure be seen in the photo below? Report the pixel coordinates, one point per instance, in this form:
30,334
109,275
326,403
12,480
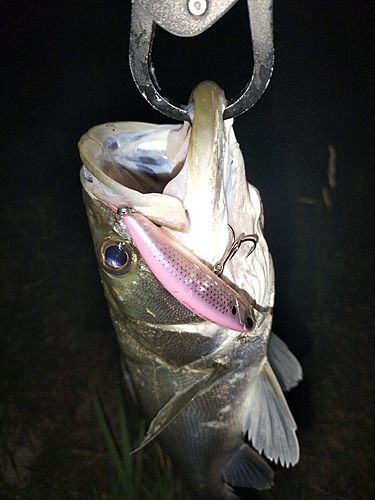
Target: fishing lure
186,277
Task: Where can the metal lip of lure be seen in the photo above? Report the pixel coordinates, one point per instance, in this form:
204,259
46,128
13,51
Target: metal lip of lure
186,277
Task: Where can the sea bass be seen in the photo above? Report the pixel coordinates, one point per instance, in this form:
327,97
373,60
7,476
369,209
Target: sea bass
208,390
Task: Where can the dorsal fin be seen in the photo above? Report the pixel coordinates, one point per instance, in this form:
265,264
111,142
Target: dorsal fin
285,365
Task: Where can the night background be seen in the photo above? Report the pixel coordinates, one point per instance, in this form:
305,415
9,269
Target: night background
65,69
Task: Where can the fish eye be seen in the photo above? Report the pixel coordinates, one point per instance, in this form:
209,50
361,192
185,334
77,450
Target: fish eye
234,310
249,322
116,257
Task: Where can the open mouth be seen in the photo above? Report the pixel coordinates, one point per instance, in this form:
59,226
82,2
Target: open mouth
139,160
130,163
144,159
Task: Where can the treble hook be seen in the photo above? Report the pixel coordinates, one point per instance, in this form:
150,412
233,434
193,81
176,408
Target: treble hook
233,249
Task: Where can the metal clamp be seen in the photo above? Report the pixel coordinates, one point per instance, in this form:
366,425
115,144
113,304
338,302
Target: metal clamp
190,18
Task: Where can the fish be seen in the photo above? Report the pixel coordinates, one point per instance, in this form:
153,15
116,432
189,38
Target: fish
213,394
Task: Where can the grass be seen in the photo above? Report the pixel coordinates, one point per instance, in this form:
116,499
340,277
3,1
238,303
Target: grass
128,481
67,427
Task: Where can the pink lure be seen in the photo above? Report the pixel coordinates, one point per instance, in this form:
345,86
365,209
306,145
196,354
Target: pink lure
185,277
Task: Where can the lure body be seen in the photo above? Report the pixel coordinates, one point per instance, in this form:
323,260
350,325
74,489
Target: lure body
187,278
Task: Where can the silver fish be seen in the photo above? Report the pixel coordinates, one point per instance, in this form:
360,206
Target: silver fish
207,390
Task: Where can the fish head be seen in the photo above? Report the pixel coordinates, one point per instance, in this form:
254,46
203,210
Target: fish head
191,181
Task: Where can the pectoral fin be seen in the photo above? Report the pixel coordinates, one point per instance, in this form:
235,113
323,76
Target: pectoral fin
247,469
181,399
285,365
268,421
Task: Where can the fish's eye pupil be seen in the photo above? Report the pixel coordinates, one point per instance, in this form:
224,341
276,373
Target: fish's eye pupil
115,256
234,310
249,322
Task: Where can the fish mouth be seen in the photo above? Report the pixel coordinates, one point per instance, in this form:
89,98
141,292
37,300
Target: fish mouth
138,157
130,163
172,174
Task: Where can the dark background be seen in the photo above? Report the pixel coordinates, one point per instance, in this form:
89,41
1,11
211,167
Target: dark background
64,70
